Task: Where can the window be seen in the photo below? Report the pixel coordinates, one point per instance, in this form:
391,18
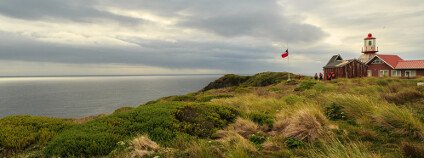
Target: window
396,73
411,73
377,61
369,43
383,73
369,73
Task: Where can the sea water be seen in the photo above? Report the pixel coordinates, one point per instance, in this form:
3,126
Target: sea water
77,97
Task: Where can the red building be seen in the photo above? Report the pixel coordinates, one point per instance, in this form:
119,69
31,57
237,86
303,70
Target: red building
394,66
372,64
345,68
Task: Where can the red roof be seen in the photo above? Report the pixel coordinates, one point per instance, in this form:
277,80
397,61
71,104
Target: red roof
410,64
391,60
369,36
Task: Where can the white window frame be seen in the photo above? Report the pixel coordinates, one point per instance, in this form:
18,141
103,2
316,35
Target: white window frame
382,74
412,73
396,73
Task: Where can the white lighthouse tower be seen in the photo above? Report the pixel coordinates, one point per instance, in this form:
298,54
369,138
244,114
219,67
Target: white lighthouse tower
369,49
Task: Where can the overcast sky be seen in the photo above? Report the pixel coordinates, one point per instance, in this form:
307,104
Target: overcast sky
109,37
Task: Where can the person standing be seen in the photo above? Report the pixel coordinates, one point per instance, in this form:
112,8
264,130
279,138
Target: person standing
333,76
299,76
320,76
329,77
316,76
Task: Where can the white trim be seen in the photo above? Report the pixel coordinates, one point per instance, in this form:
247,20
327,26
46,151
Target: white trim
380,59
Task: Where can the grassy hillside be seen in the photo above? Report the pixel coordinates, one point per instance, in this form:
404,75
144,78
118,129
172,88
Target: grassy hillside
254,116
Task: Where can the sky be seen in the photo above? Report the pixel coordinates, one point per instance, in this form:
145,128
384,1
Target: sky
136,37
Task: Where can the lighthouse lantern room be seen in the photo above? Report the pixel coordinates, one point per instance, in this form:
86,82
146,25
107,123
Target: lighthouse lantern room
369,49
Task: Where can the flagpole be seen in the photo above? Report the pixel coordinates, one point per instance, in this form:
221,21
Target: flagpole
288,58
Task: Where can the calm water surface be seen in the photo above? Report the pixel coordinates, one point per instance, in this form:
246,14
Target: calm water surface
77,97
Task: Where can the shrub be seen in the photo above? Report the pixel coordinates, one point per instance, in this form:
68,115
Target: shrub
266,78
292,82
204,119
228,80
403,96
292,99
294,143
89,118
258,139
399,121
335,112
99,137
123,109
304,86
210,97
412,150
242,90
382,82
183,98
19,132
262,118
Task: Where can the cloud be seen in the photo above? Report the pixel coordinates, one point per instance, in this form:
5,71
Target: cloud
61,10
203,36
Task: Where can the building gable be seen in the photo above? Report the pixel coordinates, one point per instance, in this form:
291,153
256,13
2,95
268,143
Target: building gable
334,61
389,60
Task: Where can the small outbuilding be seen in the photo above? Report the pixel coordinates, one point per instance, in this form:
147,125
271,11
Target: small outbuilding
345,68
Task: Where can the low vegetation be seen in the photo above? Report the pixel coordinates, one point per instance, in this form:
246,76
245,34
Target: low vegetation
241,116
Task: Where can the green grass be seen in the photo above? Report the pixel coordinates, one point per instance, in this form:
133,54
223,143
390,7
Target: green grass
363,117
19,132
210,97
305,85
162,122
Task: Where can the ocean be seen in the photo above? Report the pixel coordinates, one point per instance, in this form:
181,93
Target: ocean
81,96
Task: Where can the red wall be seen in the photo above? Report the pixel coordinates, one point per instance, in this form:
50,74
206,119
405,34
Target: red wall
418,72
377,67
351,70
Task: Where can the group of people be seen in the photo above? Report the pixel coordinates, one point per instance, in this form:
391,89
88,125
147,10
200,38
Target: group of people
316,76
330,76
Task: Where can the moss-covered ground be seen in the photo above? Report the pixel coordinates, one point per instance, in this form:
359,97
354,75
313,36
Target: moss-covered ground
254,116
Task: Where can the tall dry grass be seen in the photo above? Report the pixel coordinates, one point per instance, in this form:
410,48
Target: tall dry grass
142,146
355,106
236,145
244,127
252,103
306,123
336,149
399,121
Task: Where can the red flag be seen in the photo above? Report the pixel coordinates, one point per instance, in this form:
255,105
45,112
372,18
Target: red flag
285,54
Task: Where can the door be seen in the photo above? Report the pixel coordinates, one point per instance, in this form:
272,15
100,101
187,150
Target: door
369,73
